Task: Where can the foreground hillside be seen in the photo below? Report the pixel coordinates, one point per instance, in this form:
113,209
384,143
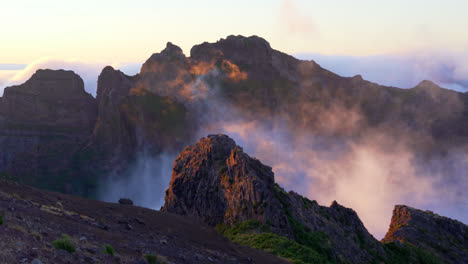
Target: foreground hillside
32,219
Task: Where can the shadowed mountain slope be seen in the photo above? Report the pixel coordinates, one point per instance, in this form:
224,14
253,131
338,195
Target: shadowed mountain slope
444,237
32,219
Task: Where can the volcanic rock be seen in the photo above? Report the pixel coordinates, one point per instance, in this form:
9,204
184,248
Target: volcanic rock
41,123
215,181
442,236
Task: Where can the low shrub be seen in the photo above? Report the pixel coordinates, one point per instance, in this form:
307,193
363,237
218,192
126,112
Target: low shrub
64,244
154,259
108,249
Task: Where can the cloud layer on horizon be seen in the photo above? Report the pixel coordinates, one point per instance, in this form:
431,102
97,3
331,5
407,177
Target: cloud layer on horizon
400,70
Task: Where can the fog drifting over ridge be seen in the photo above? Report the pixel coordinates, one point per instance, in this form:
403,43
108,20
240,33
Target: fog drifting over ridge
370,176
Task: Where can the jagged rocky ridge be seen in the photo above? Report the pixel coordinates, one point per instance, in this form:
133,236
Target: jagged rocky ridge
169,103
215,181
445,237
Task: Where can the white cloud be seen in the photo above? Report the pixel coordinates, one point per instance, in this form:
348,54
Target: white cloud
293,20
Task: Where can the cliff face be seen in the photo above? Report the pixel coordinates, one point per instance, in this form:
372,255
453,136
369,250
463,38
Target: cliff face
51,101
133,119
215,181
444,237
41,123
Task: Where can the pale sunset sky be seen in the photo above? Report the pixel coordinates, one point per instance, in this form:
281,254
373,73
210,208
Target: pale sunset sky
119,32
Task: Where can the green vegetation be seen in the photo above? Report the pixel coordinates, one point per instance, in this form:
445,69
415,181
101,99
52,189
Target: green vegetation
317,241
154,259
166,115
151,258
1,219
109,250
408,253
308,203
257,235
64,244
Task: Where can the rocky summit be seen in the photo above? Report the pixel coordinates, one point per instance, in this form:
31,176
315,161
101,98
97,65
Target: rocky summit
218,183
445,237
43,122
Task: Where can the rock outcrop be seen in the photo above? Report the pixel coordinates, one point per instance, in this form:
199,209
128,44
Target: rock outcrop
42,124
215,181
51,108
51,101
442,236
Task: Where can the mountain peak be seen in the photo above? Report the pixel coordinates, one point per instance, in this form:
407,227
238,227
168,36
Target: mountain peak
172,50
171,56
51,83
242,41
218,183
444,237
426,84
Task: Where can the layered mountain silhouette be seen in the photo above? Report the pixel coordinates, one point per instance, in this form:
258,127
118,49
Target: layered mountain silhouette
164,107
54,135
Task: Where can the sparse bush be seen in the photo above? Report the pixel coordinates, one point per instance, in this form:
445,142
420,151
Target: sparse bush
108,249
64,244
154,259
18,228
151,258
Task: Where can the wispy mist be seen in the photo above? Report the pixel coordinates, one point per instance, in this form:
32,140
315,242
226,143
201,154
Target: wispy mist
144,182
370,173
370,176
294,21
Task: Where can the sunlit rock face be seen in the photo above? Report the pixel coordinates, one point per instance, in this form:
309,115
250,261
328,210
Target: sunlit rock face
215,181
442,236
